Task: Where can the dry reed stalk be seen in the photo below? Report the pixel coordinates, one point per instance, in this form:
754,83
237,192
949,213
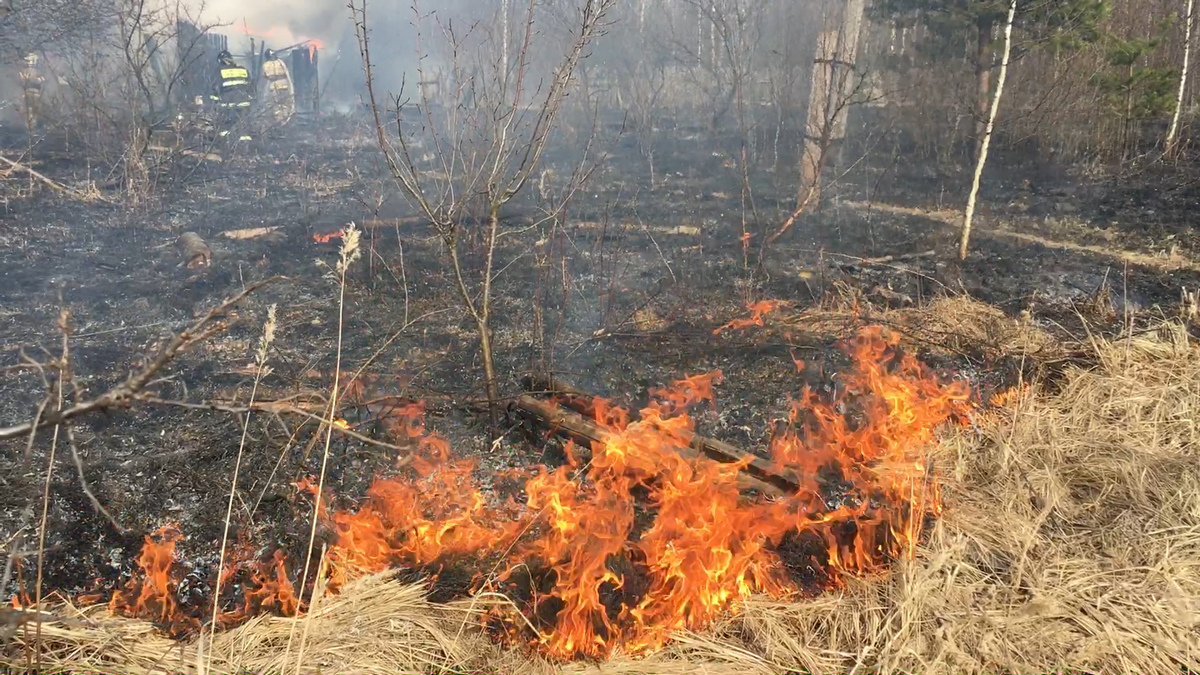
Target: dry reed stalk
260,371
350,252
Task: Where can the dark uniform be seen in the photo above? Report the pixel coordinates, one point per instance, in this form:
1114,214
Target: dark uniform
234,94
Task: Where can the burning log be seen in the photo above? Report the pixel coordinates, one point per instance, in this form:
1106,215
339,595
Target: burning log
720,451
195,252
571,424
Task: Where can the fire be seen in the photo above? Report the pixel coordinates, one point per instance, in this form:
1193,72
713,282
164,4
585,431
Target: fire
597,585
154,592
270,590
326,238
280,34
154,595
618,553
758,311
1009,397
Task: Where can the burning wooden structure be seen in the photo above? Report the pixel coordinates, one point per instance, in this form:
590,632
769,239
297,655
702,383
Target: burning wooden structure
306,77
197,49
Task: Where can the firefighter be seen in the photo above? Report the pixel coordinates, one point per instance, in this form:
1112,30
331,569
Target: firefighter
31,83
280,93
234,94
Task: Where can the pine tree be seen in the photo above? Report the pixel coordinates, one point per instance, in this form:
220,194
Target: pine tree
955,27
1132,90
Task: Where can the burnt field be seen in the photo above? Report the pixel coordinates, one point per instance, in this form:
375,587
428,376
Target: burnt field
626,288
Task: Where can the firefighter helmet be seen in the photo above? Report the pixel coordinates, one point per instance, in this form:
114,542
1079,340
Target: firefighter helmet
225,57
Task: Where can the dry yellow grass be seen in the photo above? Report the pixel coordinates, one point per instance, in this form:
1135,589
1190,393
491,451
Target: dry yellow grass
1070,541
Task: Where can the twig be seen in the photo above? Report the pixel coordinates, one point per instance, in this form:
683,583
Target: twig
87,490
56,186
37,589
123,393
67,378
349,253
264,345
895,258
273,407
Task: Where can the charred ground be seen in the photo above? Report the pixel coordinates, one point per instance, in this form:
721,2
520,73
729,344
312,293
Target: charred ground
638,280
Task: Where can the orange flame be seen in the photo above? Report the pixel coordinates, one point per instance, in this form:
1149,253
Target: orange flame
153,593
758,311
598,585
1009,397
326,238
282,34
270,590
618,553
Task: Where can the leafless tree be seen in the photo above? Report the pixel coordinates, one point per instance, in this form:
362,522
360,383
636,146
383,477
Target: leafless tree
121,78
466,156
716,42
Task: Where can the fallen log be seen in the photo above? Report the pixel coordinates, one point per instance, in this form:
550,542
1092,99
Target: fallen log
17,166
250,232
571,424
195,252
582,402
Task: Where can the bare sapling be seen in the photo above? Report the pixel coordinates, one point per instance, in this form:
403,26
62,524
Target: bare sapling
261,370
969,213
836,85
476,147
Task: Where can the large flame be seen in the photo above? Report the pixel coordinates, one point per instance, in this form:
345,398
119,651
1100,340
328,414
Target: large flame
154,591
617,553
599,583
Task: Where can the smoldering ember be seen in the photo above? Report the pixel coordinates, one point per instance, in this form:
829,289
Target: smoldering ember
637,336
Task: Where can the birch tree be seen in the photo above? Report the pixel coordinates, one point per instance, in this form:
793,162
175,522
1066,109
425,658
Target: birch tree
969,213
1169,144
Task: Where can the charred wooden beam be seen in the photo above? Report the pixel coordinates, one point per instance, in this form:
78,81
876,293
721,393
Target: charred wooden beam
571,424
580,401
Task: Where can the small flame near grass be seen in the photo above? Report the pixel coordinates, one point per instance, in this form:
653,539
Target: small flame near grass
329,236
617,554
758,313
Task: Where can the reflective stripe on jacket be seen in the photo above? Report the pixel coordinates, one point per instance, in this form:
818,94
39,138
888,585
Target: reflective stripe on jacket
235,76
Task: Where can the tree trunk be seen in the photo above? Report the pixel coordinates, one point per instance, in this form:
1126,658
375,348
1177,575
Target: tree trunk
832,86
969,214
983,81
815,129
1169,146
484,325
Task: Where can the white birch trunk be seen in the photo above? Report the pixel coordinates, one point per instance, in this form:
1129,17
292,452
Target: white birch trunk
969,214
504,56
1173,132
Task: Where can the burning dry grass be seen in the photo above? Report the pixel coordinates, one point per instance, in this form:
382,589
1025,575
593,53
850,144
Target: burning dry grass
1070,541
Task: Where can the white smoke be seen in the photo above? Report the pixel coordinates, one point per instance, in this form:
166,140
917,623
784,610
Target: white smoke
281,23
